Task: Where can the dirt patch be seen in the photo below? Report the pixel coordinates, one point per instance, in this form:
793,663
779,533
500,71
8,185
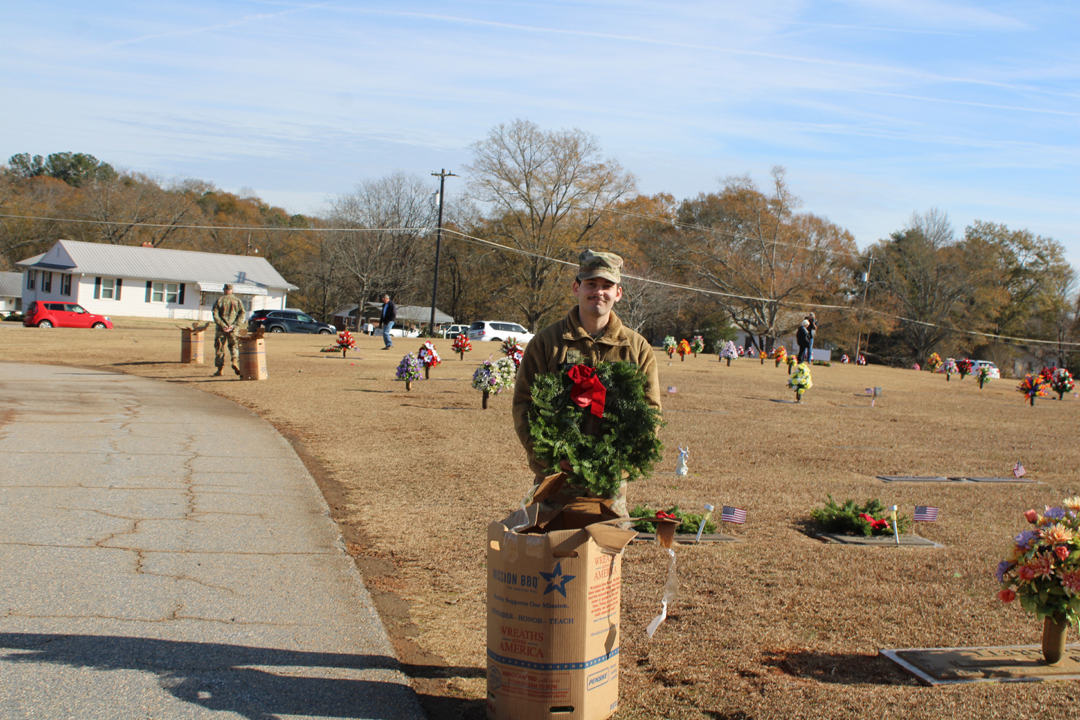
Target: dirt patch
780,625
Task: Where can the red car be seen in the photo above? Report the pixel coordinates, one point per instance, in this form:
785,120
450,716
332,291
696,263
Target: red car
58,314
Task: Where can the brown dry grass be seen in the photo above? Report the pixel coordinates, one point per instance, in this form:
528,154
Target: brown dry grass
778,626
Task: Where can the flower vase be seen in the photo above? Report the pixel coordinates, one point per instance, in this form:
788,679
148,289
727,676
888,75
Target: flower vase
980,383
778,363
408,385
461,354
762,358
948,377
669,356
788,369
1032,401
484,401
427,372
682,358
1055,628
798,396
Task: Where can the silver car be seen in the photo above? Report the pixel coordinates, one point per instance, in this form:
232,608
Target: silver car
498,331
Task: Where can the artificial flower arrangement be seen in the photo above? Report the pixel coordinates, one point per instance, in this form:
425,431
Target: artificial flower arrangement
933,362
792,361
983,376
800,381
916,367
461,345
669,345
948,367
963,366
779,355
599,420
741,351
822,363
683,349
750,352
1047,374
408,370
729,352
844,359
697,345
1043,570
494,376
851,519
861,360
428,357
1061,382
514,350
345,342
1032,386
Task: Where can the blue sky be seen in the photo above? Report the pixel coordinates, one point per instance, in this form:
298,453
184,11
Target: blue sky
877,108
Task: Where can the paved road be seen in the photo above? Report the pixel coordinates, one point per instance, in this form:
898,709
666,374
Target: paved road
165,554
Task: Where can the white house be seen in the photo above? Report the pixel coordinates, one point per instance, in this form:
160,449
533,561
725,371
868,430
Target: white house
121,280
10,293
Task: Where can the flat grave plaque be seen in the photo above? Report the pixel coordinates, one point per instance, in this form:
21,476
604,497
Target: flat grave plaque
1000,480
953,666
915,478
877,540
690,539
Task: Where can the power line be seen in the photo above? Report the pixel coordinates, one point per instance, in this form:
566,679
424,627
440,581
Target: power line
1008,339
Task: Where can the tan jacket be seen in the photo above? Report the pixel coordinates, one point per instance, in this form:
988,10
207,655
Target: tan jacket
547,352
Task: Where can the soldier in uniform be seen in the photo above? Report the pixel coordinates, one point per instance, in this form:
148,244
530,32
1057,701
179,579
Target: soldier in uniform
590,333
228,316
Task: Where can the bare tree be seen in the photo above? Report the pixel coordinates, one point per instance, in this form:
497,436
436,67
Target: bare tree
545,192
380,236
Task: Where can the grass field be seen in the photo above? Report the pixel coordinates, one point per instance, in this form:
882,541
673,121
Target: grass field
778,626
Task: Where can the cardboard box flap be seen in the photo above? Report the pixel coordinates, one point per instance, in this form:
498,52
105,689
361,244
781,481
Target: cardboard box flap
609,536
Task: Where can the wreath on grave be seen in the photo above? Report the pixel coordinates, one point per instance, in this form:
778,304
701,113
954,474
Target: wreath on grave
599,420
688,522
851,519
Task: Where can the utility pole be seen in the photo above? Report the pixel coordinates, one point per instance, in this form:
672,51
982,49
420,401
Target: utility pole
442,175
858,336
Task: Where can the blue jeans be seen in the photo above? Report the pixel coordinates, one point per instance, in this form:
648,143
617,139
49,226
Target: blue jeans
386,333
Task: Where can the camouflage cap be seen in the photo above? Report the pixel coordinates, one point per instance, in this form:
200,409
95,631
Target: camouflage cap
600,264
227,286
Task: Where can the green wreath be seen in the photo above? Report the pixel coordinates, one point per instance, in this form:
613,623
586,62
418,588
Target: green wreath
599,450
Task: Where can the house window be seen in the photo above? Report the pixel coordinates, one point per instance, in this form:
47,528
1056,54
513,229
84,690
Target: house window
46,281
165,292
65,285
31,277
108,288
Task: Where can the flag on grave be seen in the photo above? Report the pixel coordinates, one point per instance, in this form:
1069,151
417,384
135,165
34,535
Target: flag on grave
924,513
1018,470
732,515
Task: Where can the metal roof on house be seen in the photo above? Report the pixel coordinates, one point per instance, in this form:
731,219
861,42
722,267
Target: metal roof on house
11,284
415,313
146,263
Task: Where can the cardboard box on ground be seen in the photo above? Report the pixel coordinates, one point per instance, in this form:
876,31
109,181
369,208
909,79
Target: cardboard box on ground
554,591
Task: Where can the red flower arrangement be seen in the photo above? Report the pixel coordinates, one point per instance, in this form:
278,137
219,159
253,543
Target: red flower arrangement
963,366
428,358
345,342
462,345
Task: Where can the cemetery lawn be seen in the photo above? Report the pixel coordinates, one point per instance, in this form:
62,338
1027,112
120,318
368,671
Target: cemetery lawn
777,626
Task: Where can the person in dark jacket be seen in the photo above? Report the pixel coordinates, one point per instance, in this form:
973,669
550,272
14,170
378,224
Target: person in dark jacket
386,320
802,339
811,335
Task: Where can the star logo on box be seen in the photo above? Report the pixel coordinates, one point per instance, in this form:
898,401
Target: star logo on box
556,580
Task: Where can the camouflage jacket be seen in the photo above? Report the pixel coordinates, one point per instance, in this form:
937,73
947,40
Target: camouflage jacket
566,342
229,310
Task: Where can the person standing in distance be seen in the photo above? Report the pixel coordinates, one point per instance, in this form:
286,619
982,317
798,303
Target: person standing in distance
386,320
591,333
802,339
811,335
228,315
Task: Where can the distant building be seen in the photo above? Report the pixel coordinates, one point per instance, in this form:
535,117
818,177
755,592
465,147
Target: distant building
121,280
407,316
10,293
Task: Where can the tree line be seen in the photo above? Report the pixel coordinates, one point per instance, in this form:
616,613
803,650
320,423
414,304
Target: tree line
743,257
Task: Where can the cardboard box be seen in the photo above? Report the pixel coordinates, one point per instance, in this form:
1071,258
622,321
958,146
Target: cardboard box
191,346
553,619
252,358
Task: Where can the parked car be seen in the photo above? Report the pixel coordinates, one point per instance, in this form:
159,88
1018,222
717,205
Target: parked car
452,331
59,314
496,331
291,321
995,374
399,332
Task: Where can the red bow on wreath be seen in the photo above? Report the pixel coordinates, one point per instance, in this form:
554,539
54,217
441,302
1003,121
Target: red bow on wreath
665,516
587,390
881,524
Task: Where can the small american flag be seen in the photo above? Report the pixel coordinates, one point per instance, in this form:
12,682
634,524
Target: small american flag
732,515
1018,470
924,513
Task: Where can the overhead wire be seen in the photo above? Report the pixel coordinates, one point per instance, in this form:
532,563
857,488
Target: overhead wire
1008,339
